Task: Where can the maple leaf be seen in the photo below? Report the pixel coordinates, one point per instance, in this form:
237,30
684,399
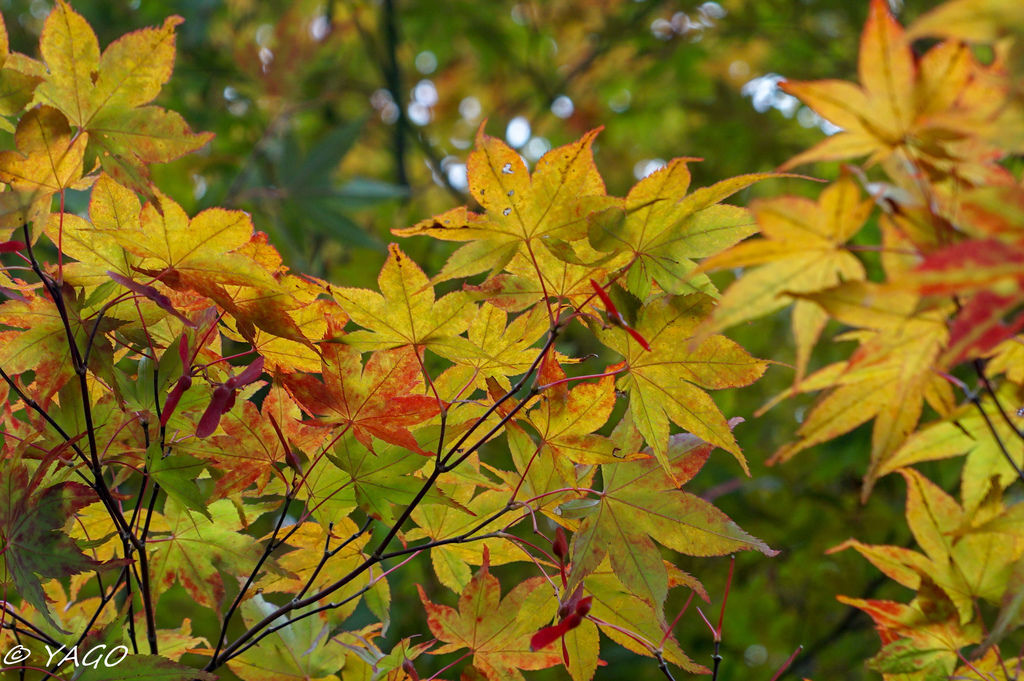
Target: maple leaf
106,95
196,251
325,488
566,423
48,160
377,400
639,502
965,563
42,341
547,273
1008,358
299,565
521,209
383,476
112,207
801,252
986,274
541,476
272,309
968,432
250,448
437,522
974,565
887,378
924,107
664,229
500,348
968,266
194,547
279,325
40,344
496,630
628,611
664,384
407,312
32,520
923,637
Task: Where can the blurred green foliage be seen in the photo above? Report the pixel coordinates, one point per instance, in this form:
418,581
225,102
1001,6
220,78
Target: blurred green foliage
338,121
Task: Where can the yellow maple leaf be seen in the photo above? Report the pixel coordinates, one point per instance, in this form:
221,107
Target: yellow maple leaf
48,160
107,94
928,108
405,312
802,251
521,208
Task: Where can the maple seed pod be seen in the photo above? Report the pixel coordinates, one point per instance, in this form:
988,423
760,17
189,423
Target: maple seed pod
560,545
583,607
410,670
223,399
182,384
162,301
248,375
548,635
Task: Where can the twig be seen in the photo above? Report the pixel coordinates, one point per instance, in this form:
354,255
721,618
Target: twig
995,435
979,368
663,665
40,633
267,551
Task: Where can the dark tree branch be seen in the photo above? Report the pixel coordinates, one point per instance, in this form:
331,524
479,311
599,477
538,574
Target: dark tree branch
267,551
129,541
394,81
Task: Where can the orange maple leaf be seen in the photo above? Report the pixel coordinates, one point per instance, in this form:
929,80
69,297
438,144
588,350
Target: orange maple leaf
377,400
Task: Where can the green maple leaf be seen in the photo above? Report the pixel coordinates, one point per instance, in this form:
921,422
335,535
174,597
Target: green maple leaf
641,502
665,229
298,651
496,630
384,476
196,547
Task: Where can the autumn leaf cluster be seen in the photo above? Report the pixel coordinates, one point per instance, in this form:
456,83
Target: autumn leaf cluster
185,411
938,358
186,419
